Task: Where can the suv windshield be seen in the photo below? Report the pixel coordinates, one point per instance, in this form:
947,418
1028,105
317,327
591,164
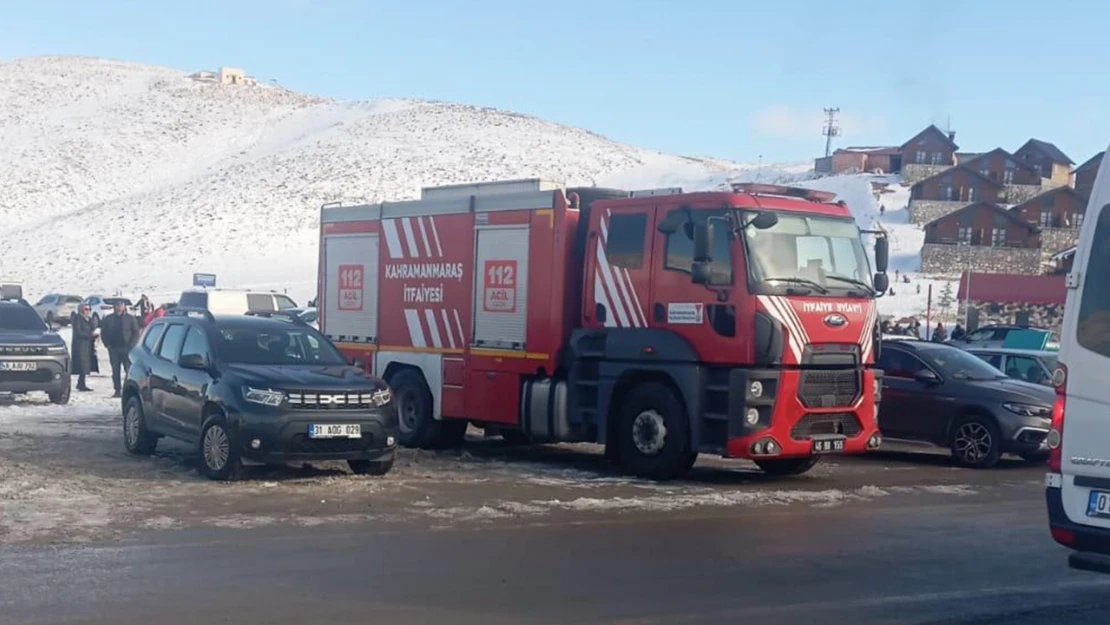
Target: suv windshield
816,254
275,346
960,365
20,318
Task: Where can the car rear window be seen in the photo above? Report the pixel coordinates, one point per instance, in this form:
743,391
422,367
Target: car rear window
1094,311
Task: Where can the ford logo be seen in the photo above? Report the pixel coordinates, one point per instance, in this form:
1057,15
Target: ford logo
836,320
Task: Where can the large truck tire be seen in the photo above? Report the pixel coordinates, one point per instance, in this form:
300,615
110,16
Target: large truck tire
787,466
417,425
653,433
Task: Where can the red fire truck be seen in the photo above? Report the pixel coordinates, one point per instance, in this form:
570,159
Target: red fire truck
658,323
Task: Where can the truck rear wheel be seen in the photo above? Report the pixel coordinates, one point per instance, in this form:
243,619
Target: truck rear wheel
417,425
654,433
787,466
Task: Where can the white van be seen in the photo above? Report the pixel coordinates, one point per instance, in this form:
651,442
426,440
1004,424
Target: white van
1078,484
232,302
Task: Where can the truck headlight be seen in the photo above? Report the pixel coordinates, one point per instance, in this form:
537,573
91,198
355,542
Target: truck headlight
1028,410
266,397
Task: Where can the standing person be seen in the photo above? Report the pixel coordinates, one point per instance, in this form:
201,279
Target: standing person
958,332
120,333
939,334
145,308
83,346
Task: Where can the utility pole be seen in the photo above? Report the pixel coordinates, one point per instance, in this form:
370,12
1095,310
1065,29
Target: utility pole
831,129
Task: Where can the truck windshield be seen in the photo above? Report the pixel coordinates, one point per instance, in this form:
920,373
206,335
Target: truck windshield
810,255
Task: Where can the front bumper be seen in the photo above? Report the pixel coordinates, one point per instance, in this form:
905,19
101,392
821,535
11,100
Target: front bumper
284,438
51,375
1024,435
793,426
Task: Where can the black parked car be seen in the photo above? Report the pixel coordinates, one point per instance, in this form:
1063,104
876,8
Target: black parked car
939,394
255,388
32,356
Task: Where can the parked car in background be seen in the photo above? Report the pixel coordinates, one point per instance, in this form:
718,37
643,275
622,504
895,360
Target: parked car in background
995,336
33,358
57,308
102,306
1028,365
938,394
252,387
235,302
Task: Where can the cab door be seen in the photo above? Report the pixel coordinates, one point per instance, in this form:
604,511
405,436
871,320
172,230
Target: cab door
618,265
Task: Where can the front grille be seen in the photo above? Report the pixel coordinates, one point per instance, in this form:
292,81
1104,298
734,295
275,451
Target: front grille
22,350
818,424
35,377
829,388
330,400
302,444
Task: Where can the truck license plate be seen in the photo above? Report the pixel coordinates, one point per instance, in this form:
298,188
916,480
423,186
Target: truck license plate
828,446
18,366
335,430
1098,505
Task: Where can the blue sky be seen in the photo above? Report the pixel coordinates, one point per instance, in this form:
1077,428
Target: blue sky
733,79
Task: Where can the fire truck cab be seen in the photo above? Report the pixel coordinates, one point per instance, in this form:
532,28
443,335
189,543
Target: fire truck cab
660,324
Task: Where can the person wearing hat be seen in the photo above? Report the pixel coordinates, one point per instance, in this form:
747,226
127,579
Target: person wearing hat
83,346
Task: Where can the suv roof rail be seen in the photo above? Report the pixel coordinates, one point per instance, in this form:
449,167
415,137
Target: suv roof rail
189,311
277,314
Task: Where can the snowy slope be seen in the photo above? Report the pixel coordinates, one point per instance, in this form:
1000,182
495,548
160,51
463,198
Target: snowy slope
124,177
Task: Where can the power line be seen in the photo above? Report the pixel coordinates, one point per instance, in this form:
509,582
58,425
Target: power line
831,129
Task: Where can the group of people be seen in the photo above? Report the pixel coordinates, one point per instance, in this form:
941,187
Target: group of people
913,328
119,332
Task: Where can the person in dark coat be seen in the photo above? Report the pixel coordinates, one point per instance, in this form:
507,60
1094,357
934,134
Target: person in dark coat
120,333
940,334
83,346
958,332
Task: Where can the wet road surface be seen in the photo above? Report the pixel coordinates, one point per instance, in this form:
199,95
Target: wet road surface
903,558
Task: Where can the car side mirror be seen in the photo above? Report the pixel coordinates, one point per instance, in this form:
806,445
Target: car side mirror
926,376
882,282
193,361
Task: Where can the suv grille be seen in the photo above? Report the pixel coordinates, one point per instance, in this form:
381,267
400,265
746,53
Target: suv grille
301,444
15,350
818,424
325,400
824,388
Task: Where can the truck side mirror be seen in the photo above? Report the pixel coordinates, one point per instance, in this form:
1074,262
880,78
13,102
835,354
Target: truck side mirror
882,254
703,252
882,282
762,221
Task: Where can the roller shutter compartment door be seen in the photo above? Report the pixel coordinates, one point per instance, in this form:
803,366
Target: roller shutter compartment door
351,288
501,287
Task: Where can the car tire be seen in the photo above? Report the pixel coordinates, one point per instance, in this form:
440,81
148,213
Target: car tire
370,467
976,442
61,397
787,466
417,426
219,455
136,438
654,433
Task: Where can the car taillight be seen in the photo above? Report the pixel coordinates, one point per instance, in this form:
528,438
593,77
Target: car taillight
1056,431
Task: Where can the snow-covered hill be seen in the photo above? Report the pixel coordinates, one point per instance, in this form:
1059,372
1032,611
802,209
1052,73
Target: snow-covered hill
119,176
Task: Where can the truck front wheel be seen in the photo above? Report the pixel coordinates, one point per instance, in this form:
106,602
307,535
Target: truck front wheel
787,466
654,433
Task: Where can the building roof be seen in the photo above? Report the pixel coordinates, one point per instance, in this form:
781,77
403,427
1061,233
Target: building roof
967,156
993,152
931,128
1017,208
952,169
1049,150
872,149
994,207
1019,288
1094,161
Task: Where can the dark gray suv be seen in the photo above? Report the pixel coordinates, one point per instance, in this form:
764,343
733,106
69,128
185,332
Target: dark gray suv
32,356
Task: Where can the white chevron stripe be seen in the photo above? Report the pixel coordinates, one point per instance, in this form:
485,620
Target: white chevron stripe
410,239
772,307
447,328
392,241
424,237
459,327
416,333
433,327
636,298
610,286
601,298
788,308
435,235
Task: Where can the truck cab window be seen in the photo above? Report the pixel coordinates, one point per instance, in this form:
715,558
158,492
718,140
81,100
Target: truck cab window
625,243
1093,329
680,249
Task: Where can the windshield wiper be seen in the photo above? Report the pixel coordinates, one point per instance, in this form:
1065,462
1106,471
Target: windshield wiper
805,281
863,285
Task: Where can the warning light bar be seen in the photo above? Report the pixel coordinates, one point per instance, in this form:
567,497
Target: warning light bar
755,188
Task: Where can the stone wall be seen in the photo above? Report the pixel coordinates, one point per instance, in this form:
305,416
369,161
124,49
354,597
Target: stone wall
914,173
1018,193
924,211
952,260
1048,316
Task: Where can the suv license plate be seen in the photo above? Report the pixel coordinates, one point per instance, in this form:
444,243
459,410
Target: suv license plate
334,430
828,446
19,366
1098,504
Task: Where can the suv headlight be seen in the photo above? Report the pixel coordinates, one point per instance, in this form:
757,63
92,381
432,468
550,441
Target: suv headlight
1028,410
264,396
382,397
57,350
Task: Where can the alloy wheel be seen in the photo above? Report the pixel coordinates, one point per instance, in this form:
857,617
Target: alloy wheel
973,442
217,448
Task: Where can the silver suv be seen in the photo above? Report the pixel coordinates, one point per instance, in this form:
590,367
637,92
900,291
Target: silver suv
57,308
32,357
